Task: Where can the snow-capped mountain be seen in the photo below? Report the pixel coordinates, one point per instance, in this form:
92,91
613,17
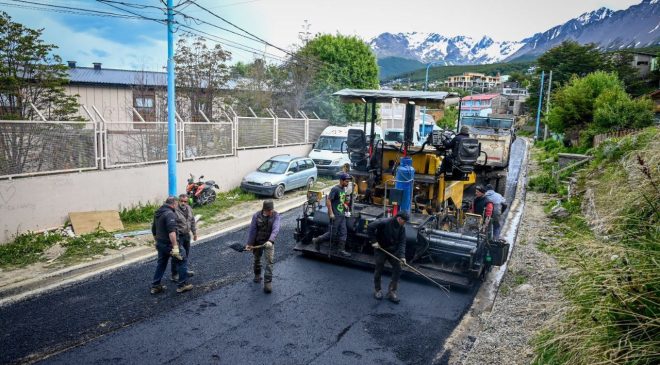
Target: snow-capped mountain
427,47
637,26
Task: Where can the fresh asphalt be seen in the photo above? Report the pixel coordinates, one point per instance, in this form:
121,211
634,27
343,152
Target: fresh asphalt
318,313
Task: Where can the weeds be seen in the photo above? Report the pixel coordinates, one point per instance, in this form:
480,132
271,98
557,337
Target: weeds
138,214
614,286
27,248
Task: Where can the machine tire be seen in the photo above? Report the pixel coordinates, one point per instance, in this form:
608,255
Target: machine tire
207,197
279,192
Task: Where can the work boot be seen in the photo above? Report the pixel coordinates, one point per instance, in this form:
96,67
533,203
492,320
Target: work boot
268,288
191,273
257,278
342,250
158,289
392,297
184,288
378,294
317,243
175,278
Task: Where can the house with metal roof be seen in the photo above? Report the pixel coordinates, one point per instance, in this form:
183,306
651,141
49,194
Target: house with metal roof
121,95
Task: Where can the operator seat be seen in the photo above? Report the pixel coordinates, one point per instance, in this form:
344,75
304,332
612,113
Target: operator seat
356,145
465,154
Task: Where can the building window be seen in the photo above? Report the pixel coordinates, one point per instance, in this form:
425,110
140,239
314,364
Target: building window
145,105
640,63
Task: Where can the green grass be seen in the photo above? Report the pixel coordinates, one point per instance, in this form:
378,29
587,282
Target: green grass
141,213
29,248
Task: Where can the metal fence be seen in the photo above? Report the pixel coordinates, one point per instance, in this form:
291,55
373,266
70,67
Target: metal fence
291,131
30,148
255,132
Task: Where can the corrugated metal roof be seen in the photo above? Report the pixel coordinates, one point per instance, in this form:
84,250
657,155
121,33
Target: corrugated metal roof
117,77
480,97
108,76
386,96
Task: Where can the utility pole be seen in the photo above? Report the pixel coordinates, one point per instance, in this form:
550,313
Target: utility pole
171,107
547,107
538,110
305,34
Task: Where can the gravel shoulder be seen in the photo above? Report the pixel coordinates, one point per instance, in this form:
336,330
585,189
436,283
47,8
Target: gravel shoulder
529,297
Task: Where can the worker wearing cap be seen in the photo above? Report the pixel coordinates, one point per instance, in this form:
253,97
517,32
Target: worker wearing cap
390,236
263,231
479,202
336,202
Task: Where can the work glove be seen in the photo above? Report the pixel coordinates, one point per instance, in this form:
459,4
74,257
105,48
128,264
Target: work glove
375,245
403,260
176,254
268,245
248,247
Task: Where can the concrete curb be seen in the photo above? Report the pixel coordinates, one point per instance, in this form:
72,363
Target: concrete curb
67,276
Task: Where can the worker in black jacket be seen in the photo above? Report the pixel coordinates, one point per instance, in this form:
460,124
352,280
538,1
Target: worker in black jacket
165,233
390,235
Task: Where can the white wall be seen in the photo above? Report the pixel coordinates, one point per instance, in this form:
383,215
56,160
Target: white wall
36,203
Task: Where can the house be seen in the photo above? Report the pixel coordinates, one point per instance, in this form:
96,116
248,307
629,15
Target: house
644,62
470,80
127,95
478,105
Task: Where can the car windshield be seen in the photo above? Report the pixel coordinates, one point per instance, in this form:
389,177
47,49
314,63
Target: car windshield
273,167
330,143
394,136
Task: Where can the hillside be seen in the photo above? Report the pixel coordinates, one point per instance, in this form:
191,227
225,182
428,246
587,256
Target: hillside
392,66
442,72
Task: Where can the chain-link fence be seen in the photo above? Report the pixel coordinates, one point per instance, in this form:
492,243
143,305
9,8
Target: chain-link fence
255,132
205,140
29,147
290,131
316,127
128,144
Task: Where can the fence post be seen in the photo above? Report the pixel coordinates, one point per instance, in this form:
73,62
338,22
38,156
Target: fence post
275,127
104,139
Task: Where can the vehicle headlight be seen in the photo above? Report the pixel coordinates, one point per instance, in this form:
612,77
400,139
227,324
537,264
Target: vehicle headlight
267,184
336,162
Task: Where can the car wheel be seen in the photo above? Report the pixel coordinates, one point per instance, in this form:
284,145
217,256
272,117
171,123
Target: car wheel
279,192
310,183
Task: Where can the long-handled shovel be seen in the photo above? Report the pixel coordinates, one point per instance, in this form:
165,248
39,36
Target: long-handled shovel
239,247
332,223
415,270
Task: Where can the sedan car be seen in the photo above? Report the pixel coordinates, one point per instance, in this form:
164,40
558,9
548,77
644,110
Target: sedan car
279,174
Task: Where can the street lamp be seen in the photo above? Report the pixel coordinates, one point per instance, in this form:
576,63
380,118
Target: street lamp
426,85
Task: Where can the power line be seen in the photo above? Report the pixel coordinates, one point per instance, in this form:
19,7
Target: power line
65,9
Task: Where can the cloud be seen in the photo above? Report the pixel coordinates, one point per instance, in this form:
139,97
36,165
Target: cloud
100,53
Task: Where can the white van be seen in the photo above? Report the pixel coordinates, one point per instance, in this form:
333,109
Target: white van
327,152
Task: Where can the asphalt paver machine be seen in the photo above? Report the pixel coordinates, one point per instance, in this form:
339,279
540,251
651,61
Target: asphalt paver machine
444,241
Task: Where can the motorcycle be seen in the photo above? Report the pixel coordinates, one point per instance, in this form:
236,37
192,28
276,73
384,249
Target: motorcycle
201,192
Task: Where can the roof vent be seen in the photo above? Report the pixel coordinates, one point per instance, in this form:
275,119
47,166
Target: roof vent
97,65
72,64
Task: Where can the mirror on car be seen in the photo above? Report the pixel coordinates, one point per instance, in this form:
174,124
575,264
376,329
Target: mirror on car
289,173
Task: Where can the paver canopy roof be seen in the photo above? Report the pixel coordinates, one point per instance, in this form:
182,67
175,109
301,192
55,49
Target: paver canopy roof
426,98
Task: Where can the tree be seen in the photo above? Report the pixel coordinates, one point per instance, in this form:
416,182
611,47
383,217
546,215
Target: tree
31,74
594,104
339,62
448,121
201,73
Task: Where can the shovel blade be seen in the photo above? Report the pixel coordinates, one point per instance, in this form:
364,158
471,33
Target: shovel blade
237,246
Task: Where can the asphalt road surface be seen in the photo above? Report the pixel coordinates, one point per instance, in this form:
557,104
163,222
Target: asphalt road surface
318,313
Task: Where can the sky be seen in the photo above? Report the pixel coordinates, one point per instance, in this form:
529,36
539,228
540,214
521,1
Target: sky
142,44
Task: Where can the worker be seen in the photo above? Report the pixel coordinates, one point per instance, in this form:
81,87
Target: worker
164,229
390,235
263,231
463,133
185,221
479,202
336,202
495,206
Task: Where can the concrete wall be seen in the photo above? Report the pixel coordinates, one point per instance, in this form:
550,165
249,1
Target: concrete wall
41,202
